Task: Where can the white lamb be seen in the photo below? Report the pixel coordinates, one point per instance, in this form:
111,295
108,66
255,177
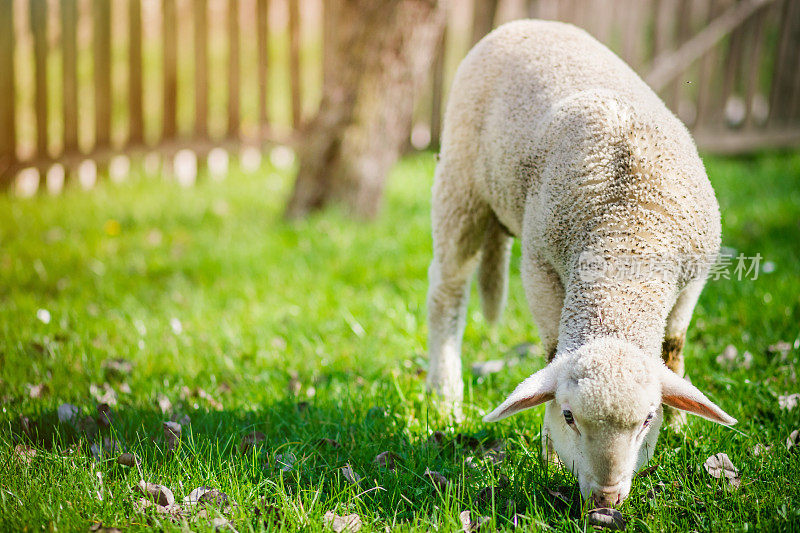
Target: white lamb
551,138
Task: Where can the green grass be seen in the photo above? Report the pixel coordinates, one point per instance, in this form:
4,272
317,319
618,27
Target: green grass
330,311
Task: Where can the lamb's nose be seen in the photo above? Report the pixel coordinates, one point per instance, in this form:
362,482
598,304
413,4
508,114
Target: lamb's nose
606,497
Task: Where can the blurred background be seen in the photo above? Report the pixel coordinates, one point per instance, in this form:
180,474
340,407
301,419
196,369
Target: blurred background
87,85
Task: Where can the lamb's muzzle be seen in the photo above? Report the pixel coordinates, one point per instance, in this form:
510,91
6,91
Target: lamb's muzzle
550,138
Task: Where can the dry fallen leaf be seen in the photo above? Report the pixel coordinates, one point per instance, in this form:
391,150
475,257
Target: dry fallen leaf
607,518
118,367
350,475
104,415
27,426
98,527
213,402
38,390
24,454
781,347
720,466
760,449
106,394
184,420
128,459
385,460
350,523
788,401
437,479
67,413
285,461
164,404
172,434
468,525
207,495
158,494
793,439
250,441
485,368
558,494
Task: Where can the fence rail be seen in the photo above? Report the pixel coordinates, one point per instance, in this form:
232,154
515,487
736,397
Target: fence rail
85,80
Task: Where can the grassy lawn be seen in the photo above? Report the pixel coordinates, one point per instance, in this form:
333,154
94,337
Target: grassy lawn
315,331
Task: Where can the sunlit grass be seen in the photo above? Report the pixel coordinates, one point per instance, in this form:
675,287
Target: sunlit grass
317,330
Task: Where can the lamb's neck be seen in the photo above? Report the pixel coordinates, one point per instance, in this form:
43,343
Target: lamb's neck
632,311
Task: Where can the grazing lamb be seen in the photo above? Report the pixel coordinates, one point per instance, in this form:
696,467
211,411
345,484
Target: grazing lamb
551,138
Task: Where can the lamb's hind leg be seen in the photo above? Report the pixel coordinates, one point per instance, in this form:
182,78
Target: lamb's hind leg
674,339
459,222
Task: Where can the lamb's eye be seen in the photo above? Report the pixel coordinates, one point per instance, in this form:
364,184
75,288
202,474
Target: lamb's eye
647,420
568,416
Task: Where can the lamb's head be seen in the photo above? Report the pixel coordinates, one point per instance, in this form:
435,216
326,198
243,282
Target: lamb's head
604,412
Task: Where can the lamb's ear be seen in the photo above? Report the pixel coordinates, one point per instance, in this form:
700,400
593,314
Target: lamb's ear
537,389
679,393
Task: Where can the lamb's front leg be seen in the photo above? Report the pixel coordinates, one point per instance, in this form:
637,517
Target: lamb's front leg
447,307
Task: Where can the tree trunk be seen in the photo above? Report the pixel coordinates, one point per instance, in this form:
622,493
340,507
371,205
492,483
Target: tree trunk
377,56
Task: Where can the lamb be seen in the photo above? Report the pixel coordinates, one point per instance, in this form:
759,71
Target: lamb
551,138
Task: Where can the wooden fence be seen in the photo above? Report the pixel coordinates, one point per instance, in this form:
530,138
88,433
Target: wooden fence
89,80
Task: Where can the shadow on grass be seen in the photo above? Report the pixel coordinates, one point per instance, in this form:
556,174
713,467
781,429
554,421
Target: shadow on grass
295,465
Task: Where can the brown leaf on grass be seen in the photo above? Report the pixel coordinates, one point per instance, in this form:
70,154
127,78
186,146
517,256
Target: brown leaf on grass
760,449
789,401
27,426
38,390
328,442
350,523
781,347
285,461
158,494
118,367
559,494
208,496
437,479
386,460
104,394
172,434
213,402
88,426
647,471
721,467
183,420
793,440
104,416
350,475
468,525
128,459
164,404
607,518
250,440
24,454
98,527
68,413
437,438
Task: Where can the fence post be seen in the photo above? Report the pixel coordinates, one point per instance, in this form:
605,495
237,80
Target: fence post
438,90
294,63
102,75
170,35
200,68
233,69
38,20
8,130
262,42
69,51
136,126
